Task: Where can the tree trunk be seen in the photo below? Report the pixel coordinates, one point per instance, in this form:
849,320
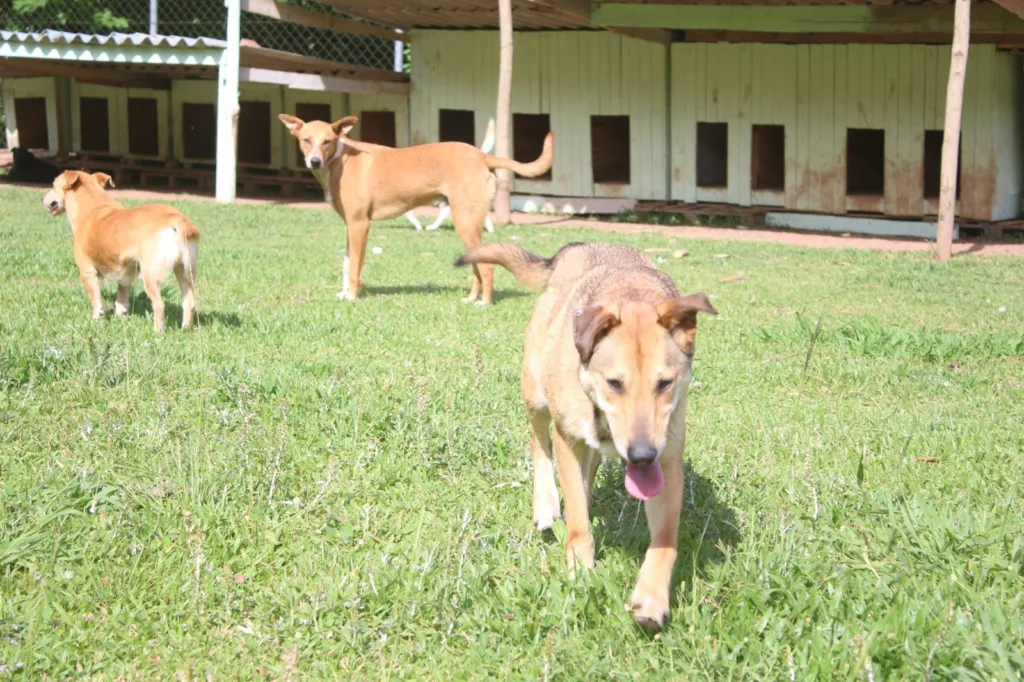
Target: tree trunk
951,128
501,147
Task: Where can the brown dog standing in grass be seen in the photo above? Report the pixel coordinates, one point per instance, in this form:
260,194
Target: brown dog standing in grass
608,358
120,244
367,182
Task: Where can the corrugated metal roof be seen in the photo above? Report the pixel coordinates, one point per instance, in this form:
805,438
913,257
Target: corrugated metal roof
118,39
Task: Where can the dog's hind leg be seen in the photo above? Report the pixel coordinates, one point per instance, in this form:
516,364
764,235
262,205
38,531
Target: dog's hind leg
91,282
469,217
151,282
411,217
442,215
545,493
124,291
185,273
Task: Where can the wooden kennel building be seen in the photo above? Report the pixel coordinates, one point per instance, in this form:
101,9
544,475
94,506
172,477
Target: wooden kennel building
156,110
833,108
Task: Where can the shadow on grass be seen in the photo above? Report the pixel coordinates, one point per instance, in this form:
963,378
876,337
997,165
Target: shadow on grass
141,305
403,289
707,525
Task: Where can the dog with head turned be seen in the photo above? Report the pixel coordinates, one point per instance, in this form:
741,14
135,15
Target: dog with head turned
607,360
123,244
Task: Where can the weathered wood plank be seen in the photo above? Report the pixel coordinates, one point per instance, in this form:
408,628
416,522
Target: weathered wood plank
891,126
915,160
842,110
892,19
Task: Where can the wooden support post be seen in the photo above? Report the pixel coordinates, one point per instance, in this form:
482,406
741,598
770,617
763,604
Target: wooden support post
502,209
951,128
227,106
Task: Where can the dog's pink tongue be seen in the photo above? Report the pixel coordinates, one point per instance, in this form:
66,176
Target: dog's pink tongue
644,482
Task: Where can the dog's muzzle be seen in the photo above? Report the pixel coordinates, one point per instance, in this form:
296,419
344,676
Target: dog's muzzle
314,163
53,206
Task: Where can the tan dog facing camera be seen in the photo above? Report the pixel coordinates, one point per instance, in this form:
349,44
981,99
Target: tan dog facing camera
121,244
367,182
608,357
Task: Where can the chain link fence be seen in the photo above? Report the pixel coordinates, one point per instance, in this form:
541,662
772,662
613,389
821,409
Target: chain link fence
198,18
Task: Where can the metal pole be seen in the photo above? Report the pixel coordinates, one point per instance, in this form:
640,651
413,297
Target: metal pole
227,105
154,13
399,53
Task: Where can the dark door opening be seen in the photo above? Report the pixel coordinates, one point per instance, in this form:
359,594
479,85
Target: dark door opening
33,126
933,164
528,133
94,119
254,133
143,126
712,155
199,130
768,158
865,162
609,149
457,125
378,127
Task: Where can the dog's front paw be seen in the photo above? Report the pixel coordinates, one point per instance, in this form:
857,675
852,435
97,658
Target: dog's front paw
346,295
545,515
650,611
579,554
469,299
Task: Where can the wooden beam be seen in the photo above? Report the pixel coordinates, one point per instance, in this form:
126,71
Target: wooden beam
893,19
366,9
304,17
276,60
96,75
951,129
1007,40
578,9
309,81
651,35
1014,6
502,211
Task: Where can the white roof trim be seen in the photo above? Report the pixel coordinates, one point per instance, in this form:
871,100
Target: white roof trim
116,48
136,39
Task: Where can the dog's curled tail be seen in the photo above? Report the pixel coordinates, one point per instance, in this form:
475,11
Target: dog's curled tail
539,166
530,270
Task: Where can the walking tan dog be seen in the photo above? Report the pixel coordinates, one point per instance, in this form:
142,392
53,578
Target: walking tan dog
367,182
608,357
118,243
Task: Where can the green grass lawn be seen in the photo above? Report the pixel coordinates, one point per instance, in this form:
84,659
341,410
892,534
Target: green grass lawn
306,489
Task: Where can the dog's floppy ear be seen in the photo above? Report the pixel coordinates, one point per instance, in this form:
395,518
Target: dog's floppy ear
590,325
103,179
293,123
343,125
679,317
69,180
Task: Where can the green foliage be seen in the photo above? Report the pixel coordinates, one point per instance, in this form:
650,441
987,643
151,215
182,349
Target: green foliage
84,16
305,489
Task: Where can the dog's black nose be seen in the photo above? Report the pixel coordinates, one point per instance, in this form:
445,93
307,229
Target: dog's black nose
315,163
54,204
641,453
